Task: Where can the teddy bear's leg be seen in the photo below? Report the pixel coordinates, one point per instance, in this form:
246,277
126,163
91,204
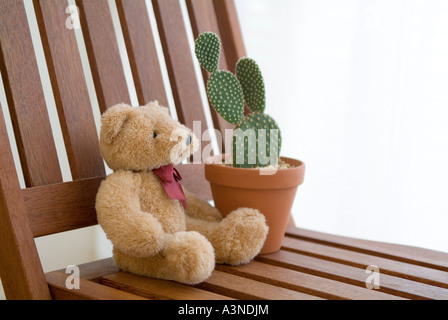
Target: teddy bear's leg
200,209
188,258
237,239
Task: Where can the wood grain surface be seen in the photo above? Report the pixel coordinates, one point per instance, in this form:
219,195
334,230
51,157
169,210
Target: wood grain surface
300,270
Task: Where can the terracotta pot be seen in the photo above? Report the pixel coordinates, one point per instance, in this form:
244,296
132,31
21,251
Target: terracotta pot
273,195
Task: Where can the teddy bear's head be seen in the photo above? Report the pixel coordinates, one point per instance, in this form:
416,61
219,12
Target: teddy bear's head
143,138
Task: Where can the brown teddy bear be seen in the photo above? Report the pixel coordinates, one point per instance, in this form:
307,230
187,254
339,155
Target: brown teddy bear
157,228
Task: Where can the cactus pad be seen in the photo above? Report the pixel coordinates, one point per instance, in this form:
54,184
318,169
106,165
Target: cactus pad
208,49
256,141
257,138
252,83
226,96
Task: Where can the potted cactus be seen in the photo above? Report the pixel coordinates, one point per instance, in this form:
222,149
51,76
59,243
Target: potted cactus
253,175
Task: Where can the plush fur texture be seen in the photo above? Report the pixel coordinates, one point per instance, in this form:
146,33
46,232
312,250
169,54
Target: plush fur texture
151,233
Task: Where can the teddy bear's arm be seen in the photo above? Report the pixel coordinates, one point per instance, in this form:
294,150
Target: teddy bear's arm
200,209
131,230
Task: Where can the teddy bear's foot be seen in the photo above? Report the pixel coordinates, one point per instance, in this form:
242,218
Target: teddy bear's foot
240,237
188,258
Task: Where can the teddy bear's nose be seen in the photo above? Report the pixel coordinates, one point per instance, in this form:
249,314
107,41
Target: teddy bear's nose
188,142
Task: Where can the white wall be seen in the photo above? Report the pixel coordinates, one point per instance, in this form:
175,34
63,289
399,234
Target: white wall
359,89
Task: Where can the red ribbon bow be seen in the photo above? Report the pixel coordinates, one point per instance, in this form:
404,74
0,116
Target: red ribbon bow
170,178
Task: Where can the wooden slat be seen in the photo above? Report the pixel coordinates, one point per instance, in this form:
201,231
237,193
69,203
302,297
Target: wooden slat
70,90
203,18
419,256
282,275
142,52
62,207
157,289
88,290
247,289
20,269
94,270
362,260
352,275
229,26
25,97
179,63
103,53
305,283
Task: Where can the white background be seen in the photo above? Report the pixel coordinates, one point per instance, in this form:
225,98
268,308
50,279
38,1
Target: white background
360,91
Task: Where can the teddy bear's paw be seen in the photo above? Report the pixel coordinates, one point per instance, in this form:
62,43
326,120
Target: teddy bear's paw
242,234
190,256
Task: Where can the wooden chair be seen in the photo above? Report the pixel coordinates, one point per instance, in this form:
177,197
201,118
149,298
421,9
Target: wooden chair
310,265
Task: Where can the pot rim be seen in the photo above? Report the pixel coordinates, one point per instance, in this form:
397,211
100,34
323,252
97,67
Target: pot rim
245,178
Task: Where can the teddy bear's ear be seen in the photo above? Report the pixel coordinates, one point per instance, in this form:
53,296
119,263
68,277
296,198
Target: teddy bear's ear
153,103
113,120
156,104
165,109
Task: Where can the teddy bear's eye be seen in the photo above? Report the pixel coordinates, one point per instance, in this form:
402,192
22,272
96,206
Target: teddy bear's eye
154,134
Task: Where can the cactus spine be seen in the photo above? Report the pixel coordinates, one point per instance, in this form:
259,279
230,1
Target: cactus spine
257,137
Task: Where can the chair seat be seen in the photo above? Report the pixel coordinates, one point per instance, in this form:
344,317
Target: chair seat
310,265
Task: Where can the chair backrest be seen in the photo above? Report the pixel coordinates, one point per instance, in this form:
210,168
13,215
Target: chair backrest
48,205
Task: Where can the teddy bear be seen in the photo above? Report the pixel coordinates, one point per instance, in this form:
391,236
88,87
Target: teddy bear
157,228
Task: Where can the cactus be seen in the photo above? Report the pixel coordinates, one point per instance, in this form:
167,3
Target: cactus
208,50
257,137
226,96
256,141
